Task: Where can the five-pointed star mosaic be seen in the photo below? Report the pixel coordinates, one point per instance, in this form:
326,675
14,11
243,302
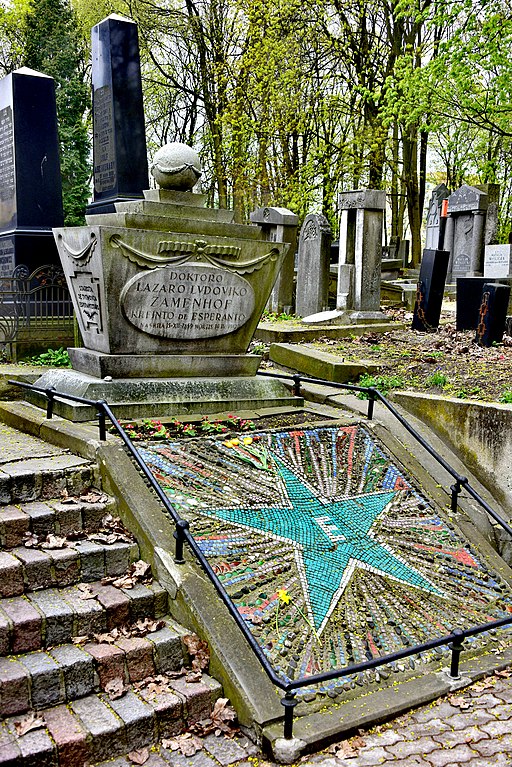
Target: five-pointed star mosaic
330,537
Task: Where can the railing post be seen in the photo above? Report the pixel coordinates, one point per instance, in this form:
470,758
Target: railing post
456,491
289,702
102,422
50,394
456,647
371,402
179,535
296,385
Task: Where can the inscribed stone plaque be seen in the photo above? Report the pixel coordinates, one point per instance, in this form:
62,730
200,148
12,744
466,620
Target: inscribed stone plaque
104,146
187,302
7,256
498,261
7,176
86,290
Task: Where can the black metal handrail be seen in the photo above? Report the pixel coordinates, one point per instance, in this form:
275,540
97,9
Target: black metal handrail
182,534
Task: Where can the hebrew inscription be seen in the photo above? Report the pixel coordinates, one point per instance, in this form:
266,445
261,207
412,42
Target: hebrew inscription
187,302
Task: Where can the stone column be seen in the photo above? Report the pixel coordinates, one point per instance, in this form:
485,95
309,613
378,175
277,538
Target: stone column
478,243
448,243
280,225
312,293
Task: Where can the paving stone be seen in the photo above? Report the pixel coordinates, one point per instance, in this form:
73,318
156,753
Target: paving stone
105,729
492,746
196,697
37,749
498,760
90,618
161,602
139,657
497,727
503,711
11,576
93,514
141,602
92,560
14,523
5,488
468,735
472,718
10,754
46,679
77,668
138,718
200,759
462,754
5,633
109,662
25,485
41,518
69,736
384,738
118,557
370,757
224,750
57,614
169,712
504,691
68,517
168,652
116,604
14,687
66,565
37,568
441,711
26,624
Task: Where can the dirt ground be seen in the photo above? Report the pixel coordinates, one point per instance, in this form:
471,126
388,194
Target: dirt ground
443,362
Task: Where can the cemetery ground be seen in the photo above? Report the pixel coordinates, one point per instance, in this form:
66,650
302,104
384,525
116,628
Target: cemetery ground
446,362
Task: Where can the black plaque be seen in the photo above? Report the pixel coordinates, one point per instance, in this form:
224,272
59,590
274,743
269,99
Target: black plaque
120,155
469,298
429,299
492,314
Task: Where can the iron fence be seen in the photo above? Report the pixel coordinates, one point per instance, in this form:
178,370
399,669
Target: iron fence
183,536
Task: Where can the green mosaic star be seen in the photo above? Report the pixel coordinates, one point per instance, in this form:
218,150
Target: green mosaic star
330,540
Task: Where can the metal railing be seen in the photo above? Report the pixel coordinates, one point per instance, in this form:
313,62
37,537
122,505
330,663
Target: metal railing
32,304
182,535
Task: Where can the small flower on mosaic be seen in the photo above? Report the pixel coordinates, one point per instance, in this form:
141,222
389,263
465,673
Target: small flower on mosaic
283,596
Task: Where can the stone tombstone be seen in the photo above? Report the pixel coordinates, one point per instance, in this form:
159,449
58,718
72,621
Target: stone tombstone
120,166
498,261
492,313
312,292
491,219
280,225
465,232
359,268
434,221
30,181
430,291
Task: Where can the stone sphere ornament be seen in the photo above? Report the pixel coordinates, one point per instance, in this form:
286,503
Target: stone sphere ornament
176,166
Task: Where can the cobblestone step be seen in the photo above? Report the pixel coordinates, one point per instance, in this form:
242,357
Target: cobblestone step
50,517
53,616
24,570
95,728
44,478
38,680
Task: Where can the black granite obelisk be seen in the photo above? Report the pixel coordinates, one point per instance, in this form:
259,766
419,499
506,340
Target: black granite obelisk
30,181
119,137
429,299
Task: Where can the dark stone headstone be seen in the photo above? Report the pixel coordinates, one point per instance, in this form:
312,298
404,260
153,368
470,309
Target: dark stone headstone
469,298
312,294
119,139
30,182
492,313
429,299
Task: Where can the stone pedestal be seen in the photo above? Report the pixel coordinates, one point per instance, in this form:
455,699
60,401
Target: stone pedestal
30,182
312,291
119,139
280,225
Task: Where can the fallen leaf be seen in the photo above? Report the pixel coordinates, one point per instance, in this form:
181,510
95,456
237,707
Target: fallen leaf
504,674
86,591
54,542
198,651
80,639
139,757
460,702
30,540
27,723
187,743
94,496
116,689
345,750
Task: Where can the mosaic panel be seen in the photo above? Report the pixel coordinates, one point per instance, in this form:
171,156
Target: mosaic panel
326,548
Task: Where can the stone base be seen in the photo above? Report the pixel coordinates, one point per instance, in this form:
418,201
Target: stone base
344,317
116,366
158,398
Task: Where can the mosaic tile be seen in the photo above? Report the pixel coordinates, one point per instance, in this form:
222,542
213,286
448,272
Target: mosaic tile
327,549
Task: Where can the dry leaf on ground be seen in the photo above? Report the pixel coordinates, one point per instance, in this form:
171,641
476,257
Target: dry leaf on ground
460,702
187,743
140,756
115,689
86,591
54,542
94,496
29,722
198,651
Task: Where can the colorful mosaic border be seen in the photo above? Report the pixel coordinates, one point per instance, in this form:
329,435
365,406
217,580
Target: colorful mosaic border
325,547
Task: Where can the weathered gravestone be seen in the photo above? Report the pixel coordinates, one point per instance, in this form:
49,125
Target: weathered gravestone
498,261
30,182
120,166
312,293
465,232
359,268
434,231
167,295
280,225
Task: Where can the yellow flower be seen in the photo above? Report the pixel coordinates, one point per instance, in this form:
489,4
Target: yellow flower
235,442
228,443
247,440
284,597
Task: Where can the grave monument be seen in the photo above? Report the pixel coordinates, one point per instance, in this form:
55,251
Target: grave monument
312,292
30,182
120,167
465,232
434,230
167,295
280,225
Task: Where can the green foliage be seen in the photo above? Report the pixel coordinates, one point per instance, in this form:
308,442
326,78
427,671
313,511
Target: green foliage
384,383
151,429
56,358
506,397
437,379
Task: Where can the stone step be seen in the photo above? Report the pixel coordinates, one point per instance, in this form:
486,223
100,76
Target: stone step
43,619
55,517
95,728
40,679
48,477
